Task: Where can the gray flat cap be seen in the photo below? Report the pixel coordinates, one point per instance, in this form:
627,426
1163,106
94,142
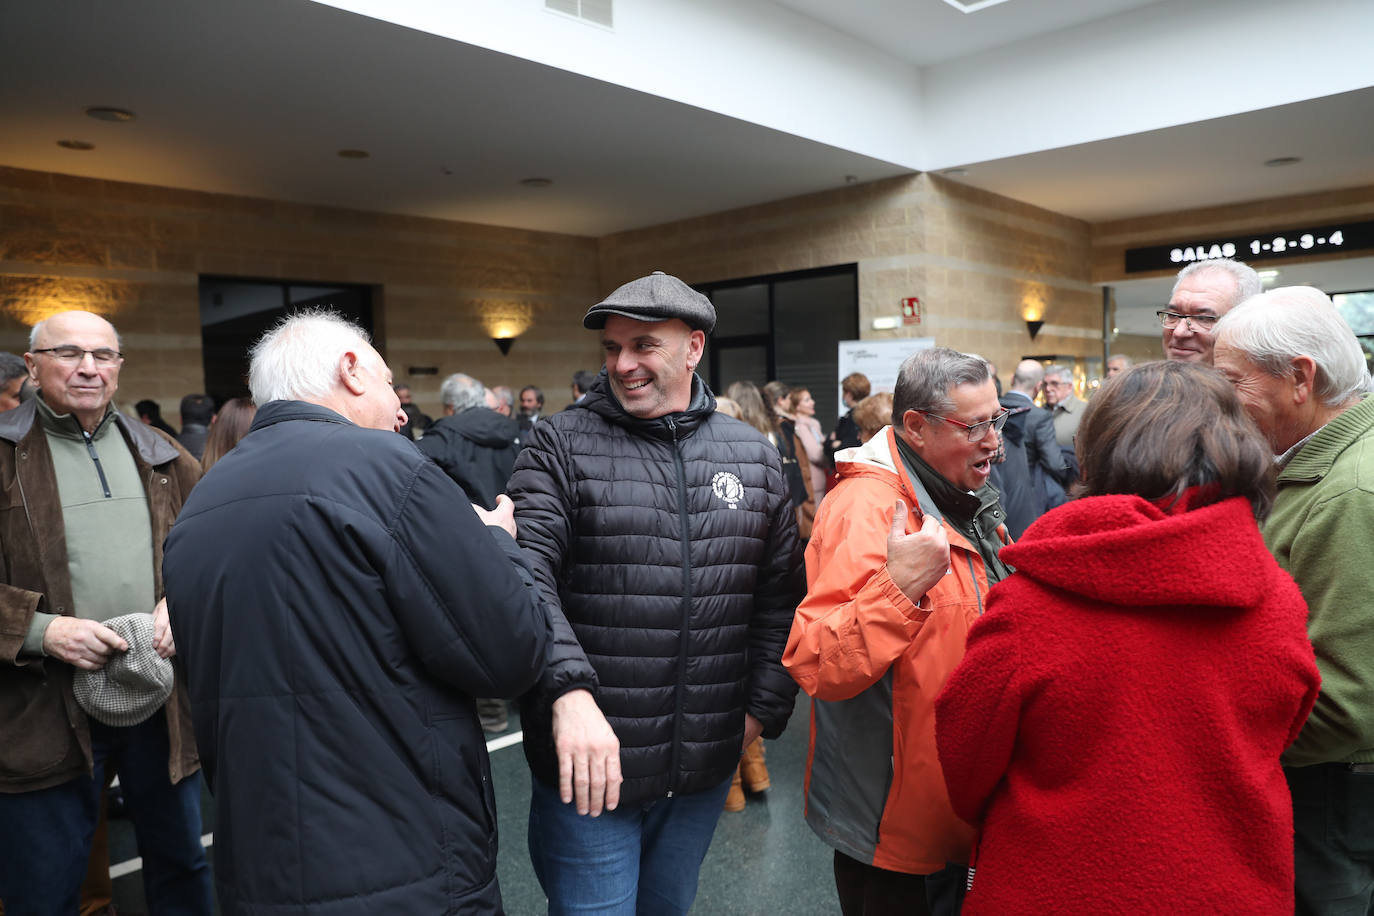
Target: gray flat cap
656,297
133,685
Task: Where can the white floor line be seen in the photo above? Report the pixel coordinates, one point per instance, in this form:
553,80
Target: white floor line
136,863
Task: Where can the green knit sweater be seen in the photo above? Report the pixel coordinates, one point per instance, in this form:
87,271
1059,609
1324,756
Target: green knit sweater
1322,532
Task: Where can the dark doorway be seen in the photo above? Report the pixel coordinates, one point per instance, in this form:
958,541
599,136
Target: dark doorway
785,327
235,312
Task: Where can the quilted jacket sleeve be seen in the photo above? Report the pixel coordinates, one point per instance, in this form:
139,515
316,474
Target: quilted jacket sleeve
544,501
854,621
772,691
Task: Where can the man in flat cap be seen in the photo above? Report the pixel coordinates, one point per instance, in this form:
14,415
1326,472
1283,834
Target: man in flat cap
665,546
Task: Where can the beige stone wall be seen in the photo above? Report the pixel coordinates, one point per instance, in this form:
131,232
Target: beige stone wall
975,260
135,253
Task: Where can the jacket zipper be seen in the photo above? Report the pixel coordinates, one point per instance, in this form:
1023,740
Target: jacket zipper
684,633
95,458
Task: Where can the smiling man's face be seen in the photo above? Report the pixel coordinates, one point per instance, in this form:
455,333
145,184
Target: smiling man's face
650,364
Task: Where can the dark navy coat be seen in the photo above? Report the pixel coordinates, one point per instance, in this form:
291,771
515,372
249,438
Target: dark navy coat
337,605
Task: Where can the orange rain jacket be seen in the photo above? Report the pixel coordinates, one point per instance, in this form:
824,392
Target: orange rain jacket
874,662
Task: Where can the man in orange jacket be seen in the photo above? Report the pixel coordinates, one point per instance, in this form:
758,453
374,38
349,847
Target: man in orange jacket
900,561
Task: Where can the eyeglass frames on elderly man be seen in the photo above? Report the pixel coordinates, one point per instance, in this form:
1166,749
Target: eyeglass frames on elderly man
1195,322
103,356
978,430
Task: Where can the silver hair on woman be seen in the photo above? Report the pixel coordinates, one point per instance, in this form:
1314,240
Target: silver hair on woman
299,358
1274,327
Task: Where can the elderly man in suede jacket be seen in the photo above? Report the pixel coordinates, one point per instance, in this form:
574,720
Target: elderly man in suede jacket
89,497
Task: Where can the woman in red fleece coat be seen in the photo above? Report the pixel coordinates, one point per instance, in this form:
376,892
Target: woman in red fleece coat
1116,725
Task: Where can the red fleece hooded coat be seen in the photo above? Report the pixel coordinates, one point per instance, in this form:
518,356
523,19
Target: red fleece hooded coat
1116,725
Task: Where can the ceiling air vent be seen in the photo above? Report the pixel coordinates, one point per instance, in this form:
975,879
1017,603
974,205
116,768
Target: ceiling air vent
597,12
973,6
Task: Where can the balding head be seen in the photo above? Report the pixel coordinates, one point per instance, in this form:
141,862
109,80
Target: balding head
1027,376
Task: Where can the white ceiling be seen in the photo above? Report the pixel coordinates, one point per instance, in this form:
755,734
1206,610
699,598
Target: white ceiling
927,32
1196,165
255,97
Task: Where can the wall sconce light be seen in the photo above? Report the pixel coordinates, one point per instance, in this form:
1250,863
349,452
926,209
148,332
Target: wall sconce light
505,321
1034,316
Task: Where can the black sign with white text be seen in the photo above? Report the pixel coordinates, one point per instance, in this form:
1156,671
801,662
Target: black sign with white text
1254,246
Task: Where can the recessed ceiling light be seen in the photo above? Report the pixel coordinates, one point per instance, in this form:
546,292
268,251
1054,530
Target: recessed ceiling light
103,113
1282,161
353,154
851,179
536,182
955,173
76,144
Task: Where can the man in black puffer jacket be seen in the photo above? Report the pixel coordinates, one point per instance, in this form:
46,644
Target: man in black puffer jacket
666,547
337,604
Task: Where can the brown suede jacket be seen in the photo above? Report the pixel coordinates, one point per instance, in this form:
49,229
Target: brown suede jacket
44,736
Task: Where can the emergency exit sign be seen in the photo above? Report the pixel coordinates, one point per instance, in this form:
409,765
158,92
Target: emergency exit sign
911,311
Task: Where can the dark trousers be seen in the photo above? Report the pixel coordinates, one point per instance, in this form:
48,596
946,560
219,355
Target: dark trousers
1333,832
865,890
45,836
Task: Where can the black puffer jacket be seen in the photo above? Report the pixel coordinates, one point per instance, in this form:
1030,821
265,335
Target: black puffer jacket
671,547
337,605
477,449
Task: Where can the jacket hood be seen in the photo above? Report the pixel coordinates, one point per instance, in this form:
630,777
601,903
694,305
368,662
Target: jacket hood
602,402
481,425
1128,551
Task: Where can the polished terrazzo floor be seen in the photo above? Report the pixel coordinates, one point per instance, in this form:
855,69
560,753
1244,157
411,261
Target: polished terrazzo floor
763,860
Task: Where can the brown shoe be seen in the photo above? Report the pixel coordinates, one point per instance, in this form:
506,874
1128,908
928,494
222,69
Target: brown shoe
752,768
735,800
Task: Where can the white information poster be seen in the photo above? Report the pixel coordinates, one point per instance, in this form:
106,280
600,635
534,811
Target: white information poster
877,359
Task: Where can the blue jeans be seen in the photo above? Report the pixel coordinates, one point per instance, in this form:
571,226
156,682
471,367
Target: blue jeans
45,836
636,859
1333,831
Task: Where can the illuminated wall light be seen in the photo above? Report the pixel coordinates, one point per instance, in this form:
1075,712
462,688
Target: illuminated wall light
890,323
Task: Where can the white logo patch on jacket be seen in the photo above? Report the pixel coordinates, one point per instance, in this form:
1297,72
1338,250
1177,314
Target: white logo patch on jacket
728,487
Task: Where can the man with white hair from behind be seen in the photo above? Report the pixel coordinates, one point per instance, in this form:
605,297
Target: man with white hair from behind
1302,376
339,604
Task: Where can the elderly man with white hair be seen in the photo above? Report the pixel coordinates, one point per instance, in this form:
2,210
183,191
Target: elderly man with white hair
1203,293
338,605
1302,376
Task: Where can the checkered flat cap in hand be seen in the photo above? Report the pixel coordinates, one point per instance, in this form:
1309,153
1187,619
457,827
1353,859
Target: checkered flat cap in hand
656,297
133,685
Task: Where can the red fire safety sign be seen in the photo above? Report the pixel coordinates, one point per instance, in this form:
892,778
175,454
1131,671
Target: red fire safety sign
911,311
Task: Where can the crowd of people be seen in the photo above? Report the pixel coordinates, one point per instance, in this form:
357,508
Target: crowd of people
1062,655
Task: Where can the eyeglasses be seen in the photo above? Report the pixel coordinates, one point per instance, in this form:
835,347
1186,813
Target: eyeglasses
978,430
103,356
1195,322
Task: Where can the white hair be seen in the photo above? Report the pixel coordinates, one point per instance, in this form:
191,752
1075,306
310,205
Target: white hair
1248,282
298,360
462,392
1274,327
